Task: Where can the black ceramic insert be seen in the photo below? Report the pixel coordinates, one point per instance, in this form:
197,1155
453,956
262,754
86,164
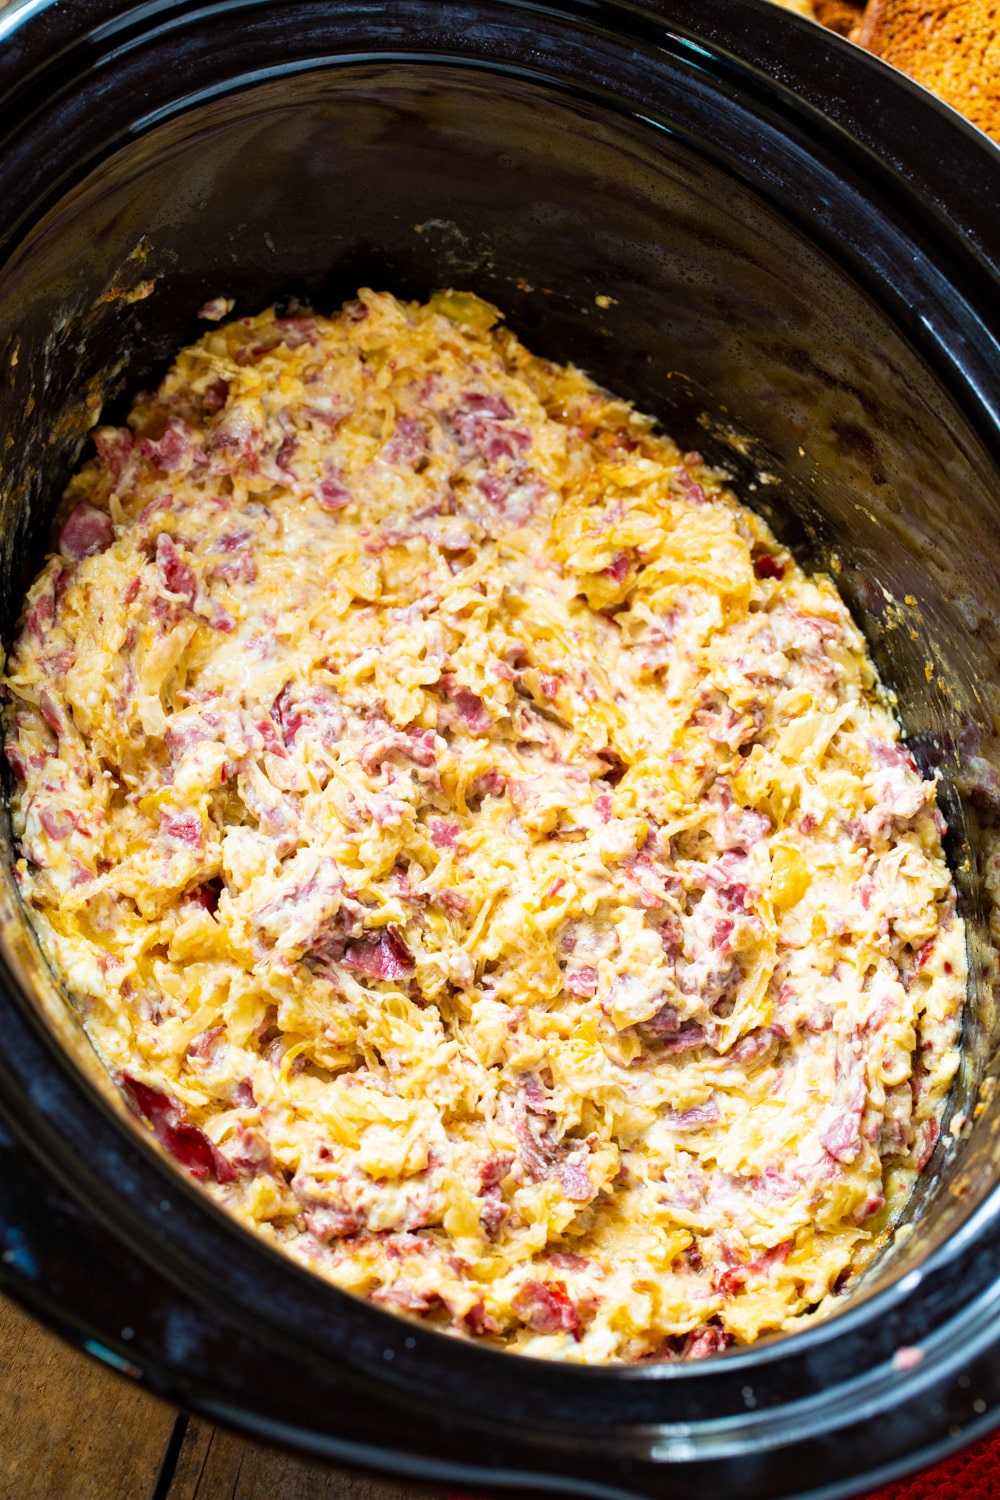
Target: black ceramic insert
788,254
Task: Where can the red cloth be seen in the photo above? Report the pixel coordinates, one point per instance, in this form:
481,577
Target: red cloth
973,1474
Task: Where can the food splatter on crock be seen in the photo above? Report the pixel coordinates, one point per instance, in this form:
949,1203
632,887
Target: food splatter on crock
480,853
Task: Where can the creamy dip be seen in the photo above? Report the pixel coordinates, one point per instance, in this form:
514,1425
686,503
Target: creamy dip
478,851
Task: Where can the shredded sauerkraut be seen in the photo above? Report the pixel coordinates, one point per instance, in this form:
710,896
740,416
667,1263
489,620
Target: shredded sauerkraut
479,852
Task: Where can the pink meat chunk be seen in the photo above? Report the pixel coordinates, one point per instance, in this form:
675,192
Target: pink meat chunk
186,1143
382,957
85,532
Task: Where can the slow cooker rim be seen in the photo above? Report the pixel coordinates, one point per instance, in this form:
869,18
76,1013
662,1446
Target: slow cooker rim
770,1349
33,7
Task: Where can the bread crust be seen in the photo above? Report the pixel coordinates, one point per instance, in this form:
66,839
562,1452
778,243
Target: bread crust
843,16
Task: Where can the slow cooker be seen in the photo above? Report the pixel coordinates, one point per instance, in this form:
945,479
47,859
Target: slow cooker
789,254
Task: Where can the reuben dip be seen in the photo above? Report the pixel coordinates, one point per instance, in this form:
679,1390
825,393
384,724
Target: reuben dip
477,850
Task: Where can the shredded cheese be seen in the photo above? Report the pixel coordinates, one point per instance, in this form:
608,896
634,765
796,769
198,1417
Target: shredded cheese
480,853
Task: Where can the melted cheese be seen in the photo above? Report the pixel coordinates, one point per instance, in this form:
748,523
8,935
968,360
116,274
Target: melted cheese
479,851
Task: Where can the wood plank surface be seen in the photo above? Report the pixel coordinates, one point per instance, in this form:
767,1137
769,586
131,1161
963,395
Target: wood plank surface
214,1464
73,1430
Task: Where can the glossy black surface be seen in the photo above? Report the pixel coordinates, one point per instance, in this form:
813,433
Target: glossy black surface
816,312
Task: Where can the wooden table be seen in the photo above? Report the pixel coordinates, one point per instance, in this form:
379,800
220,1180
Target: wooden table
72,1430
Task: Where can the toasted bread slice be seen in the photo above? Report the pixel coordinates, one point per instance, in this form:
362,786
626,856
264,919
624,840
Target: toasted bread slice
950,46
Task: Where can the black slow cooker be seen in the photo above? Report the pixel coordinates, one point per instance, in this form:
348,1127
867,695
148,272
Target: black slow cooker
788,253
